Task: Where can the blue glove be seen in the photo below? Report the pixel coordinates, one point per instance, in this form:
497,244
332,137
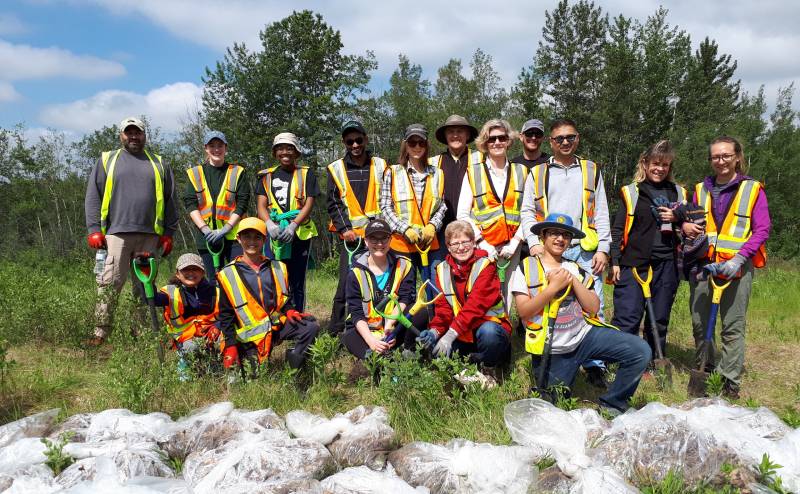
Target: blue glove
287,234
218,234
428,338
445,344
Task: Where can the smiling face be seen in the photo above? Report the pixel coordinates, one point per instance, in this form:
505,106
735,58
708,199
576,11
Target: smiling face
416,147
215,151
461,247
657,170
564,141
286,154
556,241
456,138
190,276
378,245
532,140
498,143
724,161
133,139
356,143
252,242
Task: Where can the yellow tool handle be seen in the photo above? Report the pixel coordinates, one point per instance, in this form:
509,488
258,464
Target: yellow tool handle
716,294
645,283
552,307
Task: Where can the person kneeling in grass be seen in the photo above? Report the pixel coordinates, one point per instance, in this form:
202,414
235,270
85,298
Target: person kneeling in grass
577,333
255,309
470,317
375,275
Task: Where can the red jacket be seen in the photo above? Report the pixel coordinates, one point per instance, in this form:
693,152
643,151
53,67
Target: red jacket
484,295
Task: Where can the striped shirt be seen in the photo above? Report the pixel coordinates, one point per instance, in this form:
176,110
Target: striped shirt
418,180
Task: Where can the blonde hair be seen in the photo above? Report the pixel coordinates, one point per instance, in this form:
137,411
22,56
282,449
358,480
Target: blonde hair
662,150
741,164
458,227
495,123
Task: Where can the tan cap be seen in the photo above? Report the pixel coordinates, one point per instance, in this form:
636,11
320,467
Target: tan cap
253,223
131,121
286,138
188,260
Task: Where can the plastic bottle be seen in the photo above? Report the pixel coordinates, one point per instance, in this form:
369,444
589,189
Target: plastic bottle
100,261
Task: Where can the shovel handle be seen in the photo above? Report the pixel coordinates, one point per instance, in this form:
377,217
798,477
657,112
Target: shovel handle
423,254
353,251
717,289
146,278
216,255
501,270
644,283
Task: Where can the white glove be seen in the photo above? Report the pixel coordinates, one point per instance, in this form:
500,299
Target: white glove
509,249
445,344
489,248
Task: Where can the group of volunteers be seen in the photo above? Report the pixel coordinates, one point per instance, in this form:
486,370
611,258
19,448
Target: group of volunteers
436,249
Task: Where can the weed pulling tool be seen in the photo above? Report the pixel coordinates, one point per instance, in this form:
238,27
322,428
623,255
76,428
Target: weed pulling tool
662,364
552,315
350,252
698,377
501,270
145,267
216,255
396,314
426,269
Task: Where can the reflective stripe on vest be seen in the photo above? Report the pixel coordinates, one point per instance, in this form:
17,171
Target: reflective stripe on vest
408,208
724,243
158,172
444,276
590,178
498,220
216,213
358,217
375,321
297,198
630,196
180,328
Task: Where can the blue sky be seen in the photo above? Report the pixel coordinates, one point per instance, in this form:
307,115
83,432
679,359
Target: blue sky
75,65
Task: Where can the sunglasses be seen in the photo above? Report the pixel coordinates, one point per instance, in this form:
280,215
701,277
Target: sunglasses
417,143
569,138
357,140
533,134
502,138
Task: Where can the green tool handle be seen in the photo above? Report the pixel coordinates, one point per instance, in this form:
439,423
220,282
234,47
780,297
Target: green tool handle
501,270
353,251
147,279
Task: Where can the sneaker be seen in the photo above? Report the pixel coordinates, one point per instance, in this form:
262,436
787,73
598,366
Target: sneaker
596,376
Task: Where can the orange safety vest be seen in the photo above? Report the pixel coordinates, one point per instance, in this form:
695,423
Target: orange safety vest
444,277
297,197
255,323
375,322
407,207
725,242
216,212
497,219
630,196
358,216
180,328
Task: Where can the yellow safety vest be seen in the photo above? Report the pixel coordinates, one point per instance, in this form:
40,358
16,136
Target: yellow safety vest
408,209
630,196
498,219
375,322
216,213
591,177
725,242
297,198
158,171
358,216
181,328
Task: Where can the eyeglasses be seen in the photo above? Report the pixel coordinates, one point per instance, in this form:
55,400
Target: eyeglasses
357,140
533,134
722,158
378,240
659,165
569,138
559,233
501,138
417,143
461,245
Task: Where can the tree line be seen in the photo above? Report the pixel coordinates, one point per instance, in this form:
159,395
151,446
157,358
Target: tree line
626,82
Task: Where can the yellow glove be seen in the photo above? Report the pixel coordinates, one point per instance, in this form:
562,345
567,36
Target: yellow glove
428,232
412,235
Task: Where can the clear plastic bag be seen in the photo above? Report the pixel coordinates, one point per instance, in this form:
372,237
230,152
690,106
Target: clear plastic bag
306,425
128,463
363,480
37,425
21,454
106,480
124,424
32,478
77,424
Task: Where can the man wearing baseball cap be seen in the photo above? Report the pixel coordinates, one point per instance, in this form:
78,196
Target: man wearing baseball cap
354,186
216,197
531,136
255,307
129,208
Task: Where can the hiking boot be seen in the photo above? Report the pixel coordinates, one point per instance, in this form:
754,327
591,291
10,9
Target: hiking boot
597,377
730,390
294,360
94,341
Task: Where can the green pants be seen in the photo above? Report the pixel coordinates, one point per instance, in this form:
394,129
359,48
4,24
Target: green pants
732,314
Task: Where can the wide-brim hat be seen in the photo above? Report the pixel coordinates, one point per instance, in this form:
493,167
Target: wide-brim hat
557,221
286,138
455,121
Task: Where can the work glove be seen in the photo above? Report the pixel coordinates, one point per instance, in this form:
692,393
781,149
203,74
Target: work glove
489,248
427,338
287,234
445,344
428,232
509,249
96,240
207,232
412,235
165,244
728,269
296,316
219,234
273,230
230,357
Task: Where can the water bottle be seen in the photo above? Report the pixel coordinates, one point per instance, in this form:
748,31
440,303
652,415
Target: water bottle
100,261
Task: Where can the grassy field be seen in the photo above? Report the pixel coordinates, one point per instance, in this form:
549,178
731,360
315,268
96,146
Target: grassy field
48,307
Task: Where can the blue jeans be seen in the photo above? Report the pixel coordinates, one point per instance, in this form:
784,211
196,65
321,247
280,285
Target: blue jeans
584,260
492,346
609,345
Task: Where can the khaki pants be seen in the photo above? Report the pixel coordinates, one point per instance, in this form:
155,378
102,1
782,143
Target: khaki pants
121,248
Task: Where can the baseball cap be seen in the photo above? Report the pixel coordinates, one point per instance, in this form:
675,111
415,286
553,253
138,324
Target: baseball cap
377,226
188,260
418,130
127,122
557,221
353,125
214,134
532,124
286,138
253,223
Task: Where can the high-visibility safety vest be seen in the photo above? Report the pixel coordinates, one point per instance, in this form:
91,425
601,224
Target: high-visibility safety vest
216,212
725,242
497,213
358,216
630,196
536,281
472,158
444,276
375,322
297,197
181,328
591,177
255,323
407,208
109,160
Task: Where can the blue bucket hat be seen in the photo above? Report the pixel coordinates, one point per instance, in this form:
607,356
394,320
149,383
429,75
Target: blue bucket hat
214,134
557,221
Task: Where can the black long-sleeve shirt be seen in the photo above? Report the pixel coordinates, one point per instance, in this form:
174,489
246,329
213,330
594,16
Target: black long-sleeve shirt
359,177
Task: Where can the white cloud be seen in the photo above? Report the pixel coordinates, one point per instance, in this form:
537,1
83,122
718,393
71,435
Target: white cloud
165,107
11,25
8,93
29,62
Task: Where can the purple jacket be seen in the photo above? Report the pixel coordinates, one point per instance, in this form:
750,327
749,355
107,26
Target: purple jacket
760,222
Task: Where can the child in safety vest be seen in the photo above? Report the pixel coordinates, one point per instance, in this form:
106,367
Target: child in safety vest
190,304
577,333
255,308
375,275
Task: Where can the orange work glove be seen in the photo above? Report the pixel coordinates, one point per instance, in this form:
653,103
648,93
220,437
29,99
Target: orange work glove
230,357
294,316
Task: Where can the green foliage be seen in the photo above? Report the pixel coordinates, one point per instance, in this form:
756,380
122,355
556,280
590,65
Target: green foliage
57,459
767,474
323,353
6,365
545,462
791,417
714,384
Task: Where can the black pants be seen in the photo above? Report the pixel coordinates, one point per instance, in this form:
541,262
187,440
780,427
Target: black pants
339,310
629,304
230,251
296,267
406,339
302,333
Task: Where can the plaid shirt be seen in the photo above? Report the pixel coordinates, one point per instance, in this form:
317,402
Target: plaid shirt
418,179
